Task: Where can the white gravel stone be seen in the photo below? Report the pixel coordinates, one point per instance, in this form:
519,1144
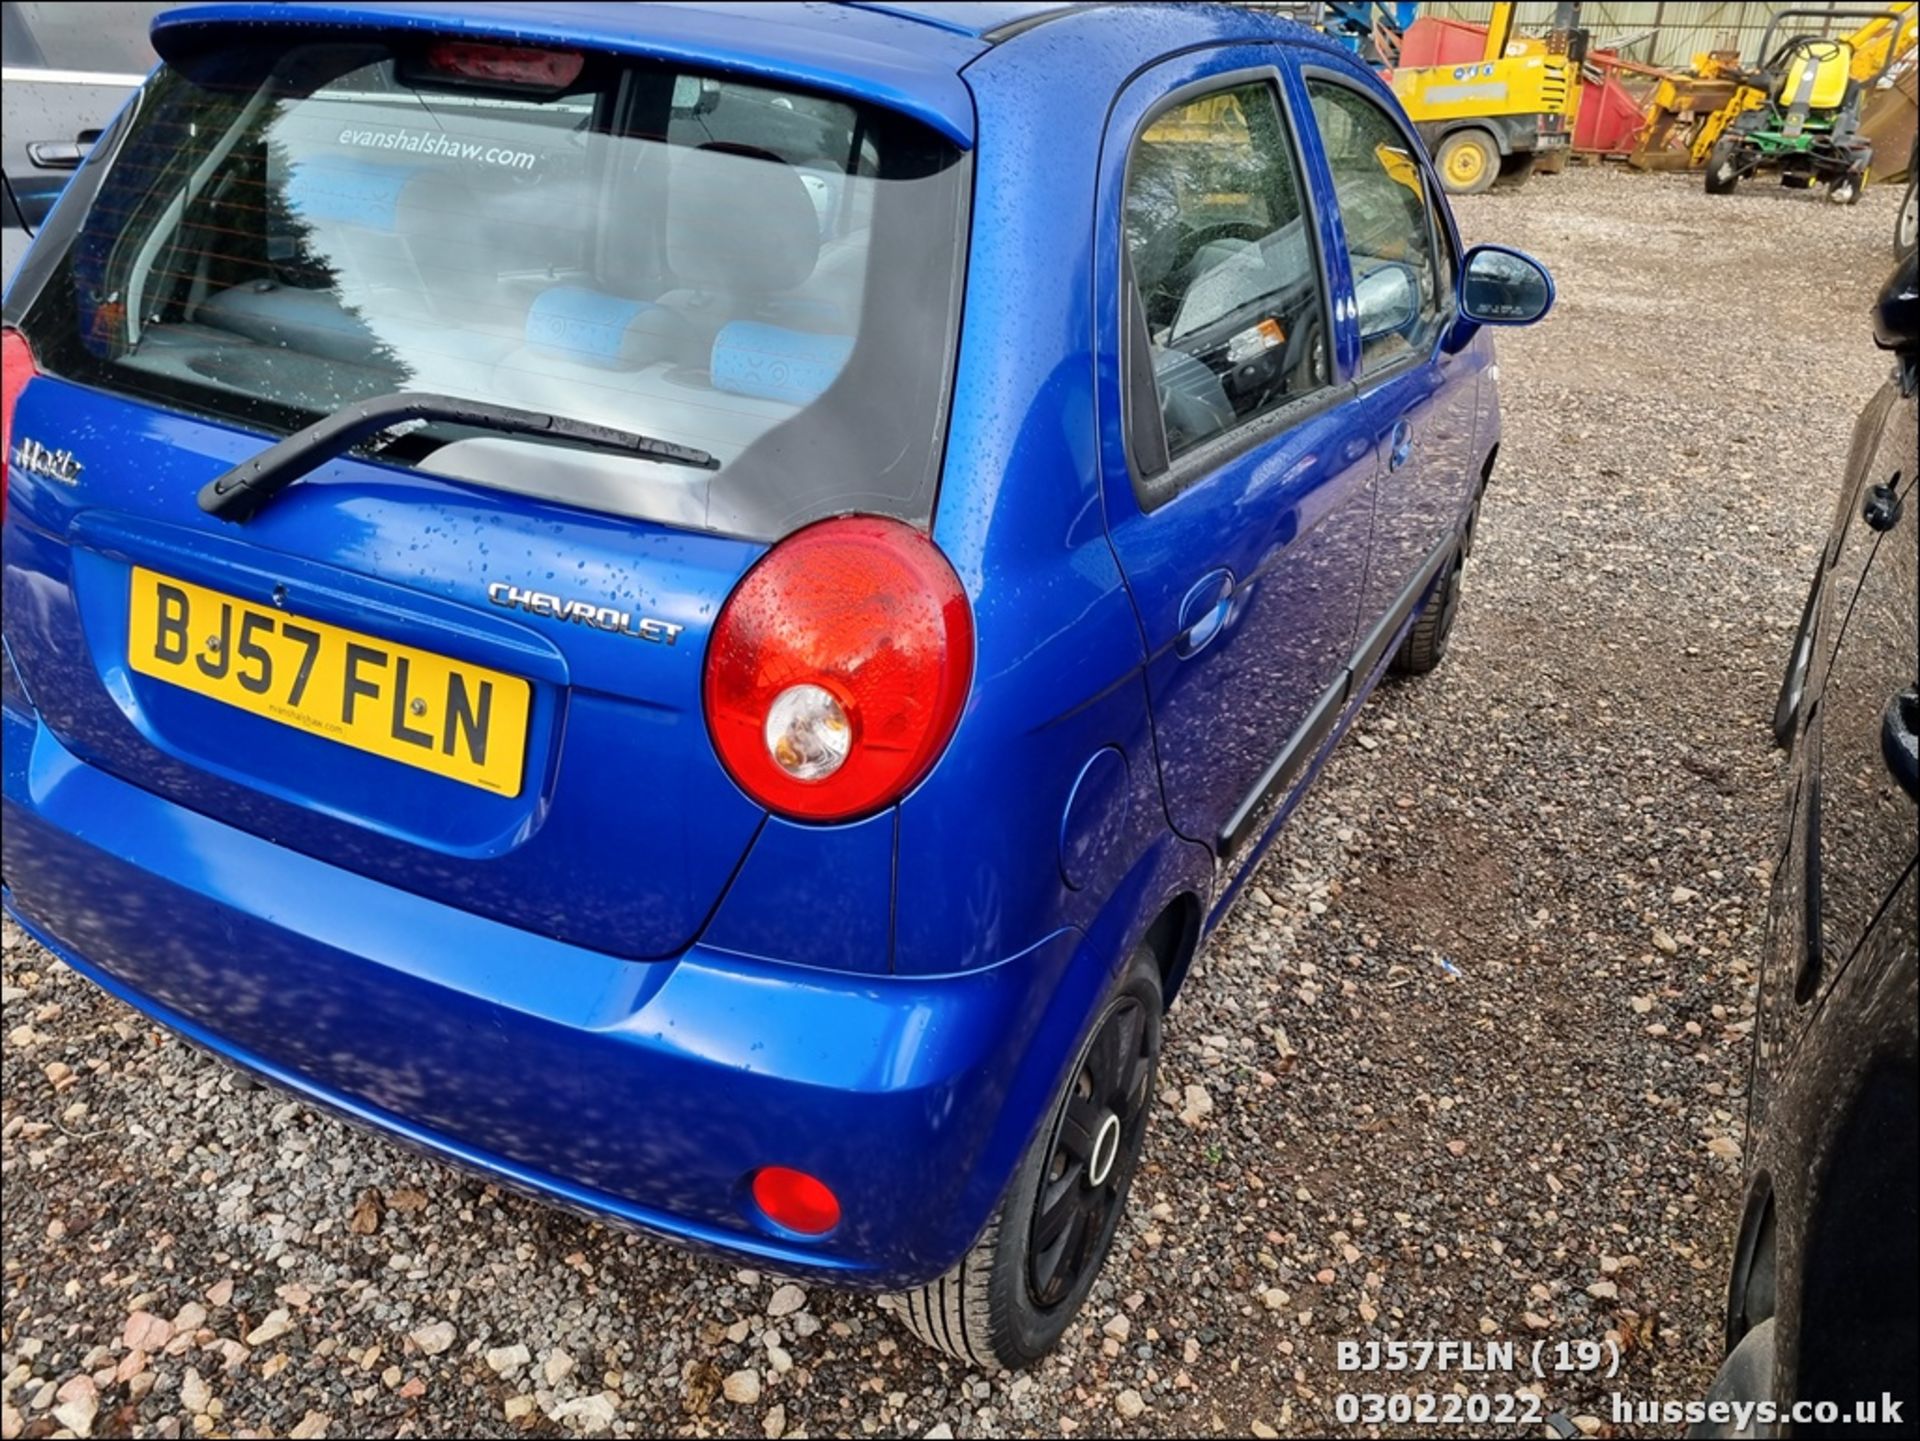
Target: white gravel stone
434,1338
504,1359
277,1324
788,1299
742,1387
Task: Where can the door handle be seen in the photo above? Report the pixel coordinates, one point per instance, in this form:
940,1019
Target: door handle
1900,740
56,154
1402,445
1203,614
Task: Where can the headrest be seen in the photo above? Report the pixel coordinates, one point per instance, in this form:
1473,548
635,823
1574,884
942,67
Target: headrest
591,327
377,195
351,192
775,363
739,224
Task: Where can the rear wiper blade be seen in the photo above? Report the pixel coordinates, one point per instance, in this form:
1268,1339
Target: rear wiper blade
251,484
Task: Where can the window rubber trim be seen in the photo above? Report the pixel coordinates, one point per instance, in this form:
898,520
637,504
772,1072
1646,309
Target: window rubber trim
1001,34
1435,206
1151,491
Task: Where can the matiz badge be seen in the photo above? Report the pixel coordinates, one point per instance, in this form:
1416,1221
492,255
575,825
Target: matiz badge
49,464
584,612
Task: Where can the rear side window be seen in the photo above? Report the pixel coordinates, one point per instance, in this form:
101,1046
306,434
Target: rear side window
1383,210
1229,308
764,274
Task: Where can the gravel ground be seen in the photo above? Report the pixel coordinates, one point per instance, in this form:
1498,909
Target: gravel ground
1466,1063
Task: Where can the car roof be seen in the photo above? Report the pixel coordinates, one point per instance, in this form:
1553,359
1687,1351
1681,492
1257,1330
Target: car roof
906,56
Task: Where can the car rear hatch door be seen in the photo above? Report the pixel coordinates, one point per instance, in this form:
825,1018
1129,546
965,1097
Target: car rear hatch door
489,703
463,662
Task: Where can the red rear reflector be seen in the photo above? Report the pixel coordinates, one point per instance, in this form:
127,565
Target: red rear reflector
16,369
506,64
795,1200
838,668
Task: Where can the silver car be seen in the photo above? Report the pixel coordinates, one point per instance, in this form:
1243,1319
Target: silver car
68,69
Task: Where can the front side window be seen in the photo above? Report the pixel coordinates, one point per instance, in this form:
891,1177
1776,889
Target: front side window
1385,214
760,273
1229,307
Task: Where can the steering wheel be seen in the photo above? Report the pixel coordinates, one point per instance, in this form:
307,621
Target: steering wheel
1772,74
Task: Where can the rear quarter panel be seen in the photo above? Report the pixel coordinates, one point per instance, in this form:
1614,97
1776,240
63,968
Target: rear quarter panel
1057,669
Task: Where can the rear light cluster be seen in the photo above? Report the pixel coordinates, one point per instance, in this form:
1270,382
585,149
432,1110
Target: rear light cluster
16,369
507,66
838,668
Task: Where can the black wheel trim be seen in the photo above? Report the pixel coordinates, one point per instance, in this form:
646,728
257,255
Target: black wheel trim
1072,1219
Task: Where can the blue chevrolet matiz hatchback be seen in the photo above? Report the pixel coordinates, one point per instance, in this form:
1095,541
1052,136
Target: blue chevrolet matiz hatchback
698,607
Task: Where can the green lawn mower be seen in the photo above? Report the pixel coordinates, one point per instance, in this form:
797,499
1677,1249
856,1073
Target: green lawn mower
1802,116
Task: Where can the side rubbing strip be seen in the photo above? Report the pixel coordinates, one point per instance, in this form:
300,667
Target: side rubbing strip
1381,636
1285,766
1302,744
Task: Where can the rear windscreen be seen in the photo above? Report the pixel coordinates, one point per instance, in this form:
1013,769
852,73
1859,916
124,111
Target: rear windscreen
768,275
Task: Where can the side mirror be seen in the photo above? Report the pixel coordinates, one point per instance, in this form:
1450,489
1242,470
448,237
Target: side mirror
1504,287
1387,299
1896,314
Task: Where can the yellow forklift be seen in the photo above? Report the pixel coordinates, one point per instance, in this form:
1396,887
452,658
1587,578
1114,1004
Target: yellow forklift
1505,114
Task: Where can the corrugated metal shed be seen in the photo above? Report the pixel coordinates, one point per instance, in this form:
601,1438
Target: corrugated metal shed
1670,30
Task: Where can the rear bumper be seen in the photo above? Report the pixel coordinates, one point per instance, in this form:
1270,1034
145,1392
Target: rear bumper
645,1093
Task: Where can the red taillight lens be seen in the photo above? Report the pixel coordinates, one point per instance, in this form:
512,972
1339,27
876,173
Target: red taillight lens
838,668
795,1200
16,369
514,65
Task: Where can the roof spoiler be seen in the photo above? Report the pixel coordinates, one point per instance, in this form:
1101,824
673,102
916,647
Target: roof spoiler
924,87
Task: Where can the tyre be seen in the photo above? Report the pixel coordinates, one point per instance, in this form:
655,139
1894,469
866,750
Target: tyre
1845,190
1906,225
1426,644
1796,180
1745,1376
1468,162
1723,166
1010,1298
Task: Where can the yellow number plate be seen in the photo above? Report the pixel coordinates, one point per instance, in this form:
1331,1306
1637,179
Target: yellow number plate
457,720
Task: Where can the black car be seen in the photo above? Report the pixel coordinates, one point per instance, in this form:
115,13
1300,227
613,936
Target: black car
1821,1318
